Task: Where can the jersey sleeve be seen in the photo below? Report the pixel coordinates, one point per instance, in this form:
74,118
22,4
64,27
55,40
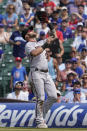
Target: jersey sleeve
15,17
29,48
25,73
41,42
32,15
12,37
9,96
80,72
12,72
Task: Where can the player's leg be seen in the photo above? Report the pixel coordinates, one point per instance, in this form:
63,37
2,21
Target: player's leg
51,92
40,95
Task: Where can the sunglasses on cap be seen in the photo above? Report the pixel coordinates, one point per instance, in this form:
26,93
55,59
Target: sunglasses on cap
19,83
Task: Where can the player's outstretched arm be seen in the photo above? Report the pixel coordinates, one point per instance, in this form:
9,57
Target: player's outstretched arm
37,51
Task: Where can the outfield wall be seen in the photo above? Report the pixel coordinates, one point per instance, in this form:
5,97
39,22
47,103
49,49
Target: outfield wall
60,115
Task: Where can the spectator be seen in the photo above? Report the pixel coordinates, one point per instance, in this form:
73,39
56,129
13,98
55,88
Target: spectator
84,57
49,12
80,64
77,96
65,29
17,4
63,74
56,48
44,27
79,2
25,90
79,29
68,84
73,97
52,67
72,6
18,41
27,17
4,36
76,68
84,84
73,54
56,17
18,93
73,21
80,41
18,72
58,32
42,36
48,3
81,12
10,17
64,13
24,3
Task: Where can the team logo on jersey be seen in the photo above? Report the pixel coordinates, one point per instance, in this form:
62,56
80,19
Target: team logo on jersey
17,74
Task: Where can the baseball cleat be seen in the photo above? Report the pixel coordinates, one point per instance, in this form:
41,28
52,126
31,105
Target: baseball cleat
42,125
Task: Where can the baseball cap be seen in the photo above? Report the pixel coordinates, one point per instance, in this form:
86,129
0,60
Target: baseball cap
64,8
76,82
2,25
67,61
18,59
18,84
42,33
72,73
74,60
84,49
80,24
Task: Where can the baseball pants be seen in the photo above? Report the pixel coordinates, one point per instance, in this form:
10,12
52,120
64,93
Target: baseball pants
43,83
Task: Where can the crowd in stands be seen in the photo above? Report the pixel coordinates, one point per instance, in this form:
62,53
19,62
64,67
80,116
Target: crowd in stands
68,69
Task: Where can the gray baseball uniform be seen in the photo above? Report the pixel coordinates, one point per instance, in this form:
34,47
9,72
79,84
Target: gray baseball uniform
42,81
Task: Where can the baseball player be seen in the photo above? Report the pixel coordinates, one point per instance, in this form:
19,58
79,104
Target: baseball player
40,77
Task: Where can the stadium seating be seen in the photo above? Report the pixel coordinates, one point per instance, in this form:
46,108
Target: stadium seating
67,48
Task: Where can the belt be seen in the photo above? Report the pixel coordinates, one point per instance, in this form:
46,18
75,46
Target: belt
45,71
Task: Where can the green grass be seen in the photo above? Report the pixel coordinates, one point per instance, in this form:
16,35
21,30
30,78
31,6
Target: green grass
49,129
